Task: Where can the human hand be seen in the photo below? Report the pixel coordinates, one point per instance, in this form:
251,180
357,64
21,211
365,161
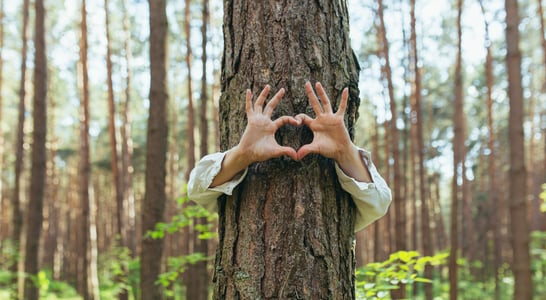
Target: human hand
331,138
258,141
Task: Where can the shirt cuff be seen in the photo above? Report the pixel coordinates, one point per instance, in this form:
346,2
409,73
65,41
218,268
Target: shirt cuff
350,184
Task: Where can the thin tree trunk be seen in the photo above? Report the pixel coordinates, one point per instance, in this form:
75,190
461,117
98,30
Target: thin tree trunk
198,282
1,127
257,258
495,204
458,156
17,213
89,283
38,168
191,113
153,207
399,204
114,161
540,10
518,204
127,141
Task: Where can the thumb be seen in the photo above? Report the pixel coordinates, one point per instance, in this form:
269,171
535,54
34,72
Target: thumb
288,151
306,149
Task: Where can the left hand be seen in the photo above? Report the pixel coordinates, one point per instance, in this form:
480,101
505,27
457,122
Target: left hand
331,138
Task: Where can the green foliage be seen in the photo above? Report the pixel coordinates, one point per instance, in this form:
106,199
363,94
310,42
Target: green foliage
177,266
186,218
538,262
376,280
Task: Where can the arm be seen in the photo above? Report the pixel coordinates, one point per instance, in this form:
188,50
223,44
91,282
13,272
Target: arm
222,172
356,173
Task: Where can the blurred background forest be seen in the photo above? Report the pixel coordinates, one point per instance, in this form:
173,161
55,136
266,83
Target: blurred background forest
98,85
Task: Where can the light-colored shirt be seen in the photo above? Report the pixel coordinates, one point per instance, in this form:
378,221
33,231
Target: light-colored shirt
372,199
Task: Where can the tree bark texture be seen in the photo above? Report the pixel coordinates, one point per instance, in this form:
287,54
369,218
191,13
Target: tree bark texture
287,230
153,206
521,264
38,167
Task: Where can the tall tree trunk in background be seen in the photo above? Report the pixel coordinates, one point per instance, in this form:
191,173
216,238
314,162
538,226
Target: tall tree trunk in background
88,264
2,215
417,122
543,88
114,161
191,112
198,283
127,141
256,258
458,155
204,125
38,167
399,204
521,264
17,213
155,197
426,237
495,203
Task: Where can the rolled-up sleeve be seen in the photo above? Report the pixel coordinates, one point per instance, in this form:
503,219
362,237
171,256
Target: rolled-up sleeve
201,178
372,199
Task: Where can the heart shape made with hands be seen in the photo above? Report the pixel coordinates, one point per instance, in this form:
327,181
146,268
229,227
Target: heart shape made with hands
294,136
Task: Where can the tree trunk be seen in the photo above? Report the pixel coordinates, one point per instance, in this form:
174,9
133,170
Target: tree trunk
153,206
17,213
38,168
191,112
495,204
114,161
543,90
127,141
198,282
399,205
518,205
89,283
287,230
2,211
458,155
419,148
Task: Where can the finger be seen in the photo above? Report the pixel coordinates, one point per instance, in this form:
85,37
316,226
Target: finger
288,151
323,98
286,120
258,106
343,104
268,111
306,149
248,106
313,100
304,119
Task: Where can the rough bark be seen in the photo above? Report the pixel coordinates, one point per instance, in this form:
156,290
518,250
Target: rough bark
287,231
153,206
518,205
38,165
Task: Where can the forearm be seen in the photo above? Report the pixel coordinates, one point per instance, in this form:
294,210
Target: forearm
353,165
233,163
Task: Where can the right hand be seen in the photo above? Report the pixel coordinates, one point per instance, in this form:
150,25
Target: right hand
258,141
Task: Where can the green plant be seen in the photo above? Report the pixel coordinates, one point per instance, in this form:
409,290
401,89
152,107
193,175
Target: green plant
376,280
